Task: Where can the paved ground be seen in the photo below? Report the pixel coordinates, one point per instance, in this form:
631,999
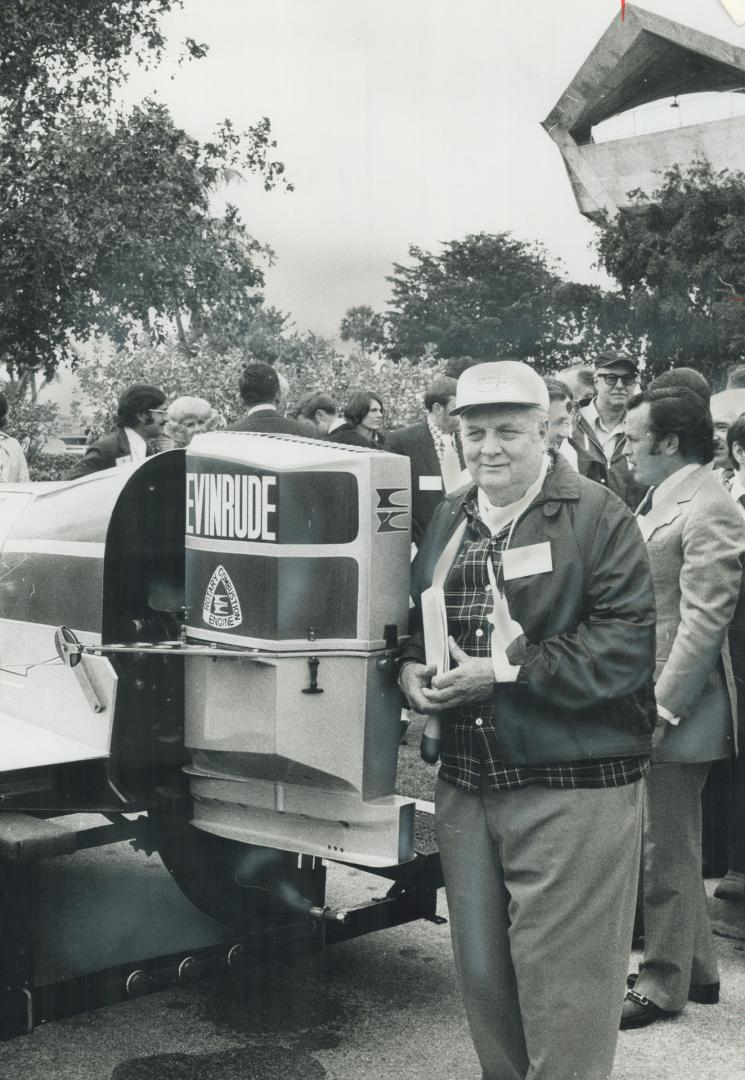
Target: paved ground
382,1007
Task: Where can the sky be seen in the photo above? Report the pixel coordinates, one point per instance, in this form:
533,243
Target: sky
400,122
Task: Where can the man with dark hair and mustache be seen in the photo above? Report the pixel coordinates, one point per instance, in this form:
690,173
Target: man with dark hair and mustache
696,545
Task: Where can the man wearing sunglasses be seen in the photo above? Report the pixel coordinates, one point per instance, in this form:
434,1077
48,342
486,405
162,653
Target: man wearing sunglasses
140,417
599,427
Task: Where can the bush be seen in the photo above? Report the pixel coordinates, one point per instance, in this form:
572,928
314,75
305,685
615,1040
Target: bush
50,466
31,422
310,364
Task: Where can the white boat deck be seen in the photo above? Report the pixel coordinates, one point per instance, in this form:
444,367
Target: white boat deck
26,746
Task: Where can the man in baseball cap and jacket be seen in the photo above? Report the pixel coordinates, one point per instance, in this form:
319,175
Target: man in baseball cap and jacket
599,426
533,642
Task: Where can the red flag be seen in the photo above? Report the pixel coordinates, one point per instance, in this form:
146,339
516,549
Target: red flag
623,10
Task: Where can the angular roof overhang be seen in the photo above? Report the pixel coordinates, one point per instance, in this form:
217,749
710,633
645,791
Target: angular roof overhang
638,60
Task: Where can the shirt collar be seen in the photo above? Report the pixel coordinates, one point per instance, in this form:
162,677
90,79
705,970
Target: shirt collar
265,406
137,445
594,419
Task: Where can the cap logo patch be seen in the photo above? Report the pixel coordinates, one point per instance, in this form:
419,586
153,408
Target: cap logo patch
221,609
490,384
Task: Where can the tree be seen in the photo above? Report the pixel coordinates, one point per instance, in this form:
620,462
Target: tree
486,295
107,223
365,327
679,258
58,58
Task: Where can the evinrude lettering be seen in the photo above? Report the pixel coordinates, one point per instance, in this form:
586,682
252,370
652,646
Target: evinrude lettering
231,506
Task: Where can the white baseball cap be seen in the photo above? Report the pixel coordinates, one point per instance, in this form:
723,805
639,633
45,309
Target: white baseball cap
504,382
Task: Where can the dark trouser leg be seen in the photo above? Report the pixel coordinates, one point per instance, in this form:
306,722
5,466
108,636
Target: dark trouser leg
678,942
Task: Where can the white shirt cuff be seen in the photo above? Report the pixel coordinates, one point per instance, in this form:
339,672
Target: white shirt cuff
667,715
504,671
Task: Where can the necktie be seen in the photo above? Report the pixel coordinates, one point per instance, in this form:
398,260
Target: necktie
458,444
646,504
741,501
452,474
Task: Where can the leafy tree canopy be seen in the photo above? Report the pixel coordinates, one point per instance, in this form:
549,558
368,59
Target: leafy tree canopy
57,57
107,219
679,258
365,327
491,294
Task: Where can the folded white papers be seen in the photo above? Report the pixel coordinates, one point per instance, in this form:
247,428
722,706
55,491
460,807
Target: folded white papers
504,631
435,626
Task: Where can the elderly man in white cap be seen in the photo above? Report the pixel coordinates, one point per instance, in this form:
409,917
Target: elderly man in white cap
536,583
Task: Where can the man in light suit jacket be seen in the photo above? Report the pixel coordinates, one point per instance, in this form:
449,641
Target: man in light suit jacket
696,545
437,466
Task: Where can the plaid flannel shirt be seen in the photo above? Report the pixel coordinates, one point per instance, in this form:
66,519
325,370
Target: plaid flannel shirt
470,735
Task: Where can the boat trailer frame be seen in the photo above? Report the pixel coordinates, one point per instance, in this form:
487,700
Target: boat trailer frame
25,840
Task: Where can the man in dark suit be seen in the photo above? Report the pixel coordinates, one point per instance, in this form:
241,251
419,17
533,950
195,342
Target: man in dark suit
436,459
140,417
261,393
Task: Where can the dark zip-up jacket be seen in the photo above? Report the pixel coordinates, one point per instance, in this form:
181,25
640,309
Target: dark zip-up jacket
615,475
585,686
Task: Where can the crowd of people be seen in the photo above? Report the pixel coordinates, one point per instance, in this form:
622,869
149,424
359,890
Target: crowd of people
583,540
595,653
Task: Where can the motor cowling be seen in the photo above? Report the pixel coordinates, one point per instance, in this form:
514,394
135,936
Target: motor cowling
297,554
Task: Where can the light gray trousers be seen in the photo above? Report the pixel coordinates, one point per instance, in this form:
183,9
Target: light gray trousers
678,941
541,887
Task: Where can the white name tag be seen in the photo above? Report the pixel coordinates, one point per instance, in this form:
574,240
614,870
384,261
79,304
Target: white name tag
430,483
524,561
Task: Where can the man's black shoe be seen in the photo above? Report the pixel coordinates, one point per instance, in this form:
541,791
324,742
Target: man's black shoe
639,1011
704,993
701,993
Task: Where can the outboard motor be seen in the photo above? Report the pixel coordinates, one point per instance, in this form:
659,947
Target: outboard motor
210,637
297,554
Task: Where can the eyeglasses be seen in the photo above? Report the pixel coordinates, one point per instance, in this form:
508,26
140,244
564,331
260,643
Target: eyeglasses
611,380
159,412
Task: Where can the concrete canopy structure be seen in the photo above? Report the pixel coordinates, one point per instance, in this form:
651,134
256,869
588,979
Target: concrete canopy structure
641,59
